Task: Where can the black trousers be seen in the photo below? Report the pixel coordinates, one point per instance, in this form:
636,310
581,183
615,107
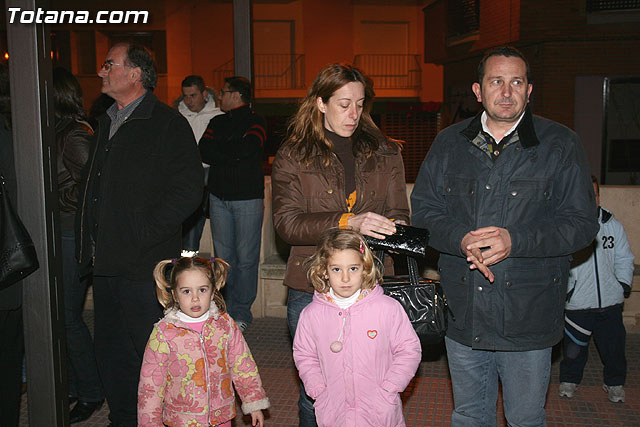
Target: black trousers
125,311
11,353
610,338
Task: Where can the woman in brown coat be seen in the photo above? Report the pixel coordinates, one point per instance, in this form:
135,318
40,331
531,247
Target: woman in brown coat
335,169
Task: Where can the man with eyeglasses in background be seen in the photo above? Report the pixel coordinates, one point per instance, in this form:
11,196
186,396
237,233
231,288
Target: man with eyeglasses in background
142,180
233,145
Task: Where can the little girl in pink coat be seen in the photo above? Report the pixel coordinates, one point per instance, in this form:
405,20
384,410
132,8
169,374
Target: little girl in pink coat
196,353
354,348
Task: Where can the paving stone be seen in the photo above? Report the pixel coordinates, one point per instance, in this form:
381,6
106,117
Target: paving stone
427,400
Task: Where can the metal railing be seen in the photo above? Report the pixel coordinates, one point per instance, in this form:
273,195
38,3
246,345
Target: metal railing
278,71
391,71
612,5
225,70
271,71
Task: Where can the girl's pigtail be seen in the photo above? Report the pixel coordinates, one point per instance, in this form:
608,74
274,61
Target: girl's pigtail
163,288
219,269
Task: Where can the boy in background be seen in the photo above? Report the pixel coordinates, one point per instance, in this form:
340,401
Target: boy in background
600,279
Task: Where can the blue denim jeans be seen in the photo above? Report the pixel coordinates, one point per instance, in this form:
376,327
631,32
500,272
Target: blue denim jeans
236,229
296,301
474,377
84,381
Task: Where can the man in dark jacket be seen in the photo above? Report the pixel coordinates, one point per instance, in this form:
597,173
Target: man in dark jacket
507,197
232,145
143,179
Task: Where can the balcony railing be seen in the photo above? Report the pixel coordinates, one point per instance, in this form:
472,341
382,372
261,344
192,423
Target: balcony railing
612,5
278,71
219,74
391,71
271,71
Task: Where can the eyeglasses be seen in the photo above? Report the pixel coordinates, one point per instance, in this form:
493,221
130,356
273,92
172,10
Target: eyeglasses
226,91
106,65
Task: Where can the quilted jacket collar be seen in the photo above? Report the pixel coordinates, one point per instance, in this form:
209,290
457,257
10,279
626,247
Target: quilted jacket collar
526,132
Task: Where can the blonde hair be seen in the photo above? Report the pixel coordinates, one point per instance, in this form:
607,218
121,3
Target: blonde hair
336,239
167,273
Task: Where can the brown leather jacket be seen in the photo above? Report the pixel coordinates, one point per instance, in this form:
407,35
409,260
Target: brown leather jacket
73,139
308,200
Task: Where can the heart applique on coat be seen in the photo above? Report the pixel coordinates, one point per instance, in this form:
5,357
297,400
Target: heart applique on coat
372,334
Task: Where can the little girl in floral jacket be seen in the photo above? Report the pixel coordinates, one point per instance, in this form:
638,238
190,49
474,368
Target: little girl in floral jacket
195,353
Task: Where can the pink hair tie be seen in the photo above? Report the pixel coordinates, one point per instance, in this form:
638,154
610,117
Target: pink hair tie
361,247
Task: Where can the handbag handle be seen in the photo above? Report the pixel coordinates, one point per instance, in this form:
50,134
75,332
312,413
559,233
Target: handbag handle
412,266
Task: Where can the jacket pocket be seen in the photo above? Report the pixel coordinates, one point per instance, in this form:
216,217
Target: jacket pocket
319,190
455,283
325,413
527,199
460,197
387,410
533,301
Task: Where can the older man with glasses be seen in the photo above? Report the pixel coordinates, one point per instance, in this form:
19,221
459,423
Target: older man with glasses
143,179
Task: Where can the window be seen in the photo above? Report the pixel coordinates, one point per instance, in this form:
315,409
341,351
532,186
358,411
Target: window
463,17
155,41
621,131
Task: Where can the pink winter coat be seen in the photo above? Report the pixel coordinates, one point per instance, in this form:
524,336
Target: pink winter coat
186,377
360,385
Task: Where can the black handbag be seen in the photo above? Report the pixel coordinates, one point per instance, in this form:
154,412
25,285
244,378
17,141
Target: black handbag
422,300
407,240
18,256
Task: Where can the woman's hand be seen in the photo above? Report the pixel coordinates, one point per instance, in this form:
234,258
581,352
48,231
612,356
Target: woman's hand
257,418
372,224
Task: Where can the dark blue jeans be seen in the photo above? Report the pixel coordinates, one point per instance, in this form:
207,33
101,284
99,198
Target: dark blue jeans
296,301
236,229
84,381
474,378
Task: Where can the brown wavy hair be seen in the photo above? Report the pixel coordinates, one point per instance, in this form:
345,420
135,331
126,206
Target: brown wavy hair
305,134
336,239
167,273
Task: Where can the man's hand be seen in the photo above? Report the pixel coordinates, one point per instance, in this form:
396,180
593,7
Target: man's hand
372,224
495,243
474,256
486,246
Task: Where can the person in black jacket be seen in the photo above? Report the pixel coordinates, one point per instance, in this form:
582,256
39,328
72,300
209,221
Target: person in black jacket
143,179
73,139
507,198
11,326
232,145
